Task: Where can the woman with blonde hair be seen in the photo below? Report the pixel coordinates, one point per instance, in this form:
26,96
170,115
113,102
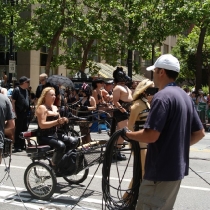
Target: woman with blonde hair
139,112
48,121
138,115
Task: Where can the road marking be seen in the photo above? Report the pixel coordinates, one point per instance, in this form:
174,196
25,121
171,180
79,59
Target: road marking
196,188
111,178
96,176
203,172
199,150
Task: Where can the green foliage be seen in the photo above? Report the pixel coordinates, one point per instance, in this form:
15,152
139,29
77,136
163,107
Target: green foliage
186,50
205,89
105,28
93,68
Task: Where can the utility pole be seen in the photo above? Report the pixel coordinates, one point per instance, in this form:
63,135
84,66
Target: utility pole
11,42
130,52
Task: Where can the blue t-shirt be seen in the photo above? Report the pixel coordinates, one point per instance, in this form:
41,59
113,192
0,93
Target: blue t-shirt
172,114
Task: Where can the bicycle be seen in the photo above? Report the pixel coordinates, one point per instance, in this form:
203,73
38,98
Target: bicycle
40,177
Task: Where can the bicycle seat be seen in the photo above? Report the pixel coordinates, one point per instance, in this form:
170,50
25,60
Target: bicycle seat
34,148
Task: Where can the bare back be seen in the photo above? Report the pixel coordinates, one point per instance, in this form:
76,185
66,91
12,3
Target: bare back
123,93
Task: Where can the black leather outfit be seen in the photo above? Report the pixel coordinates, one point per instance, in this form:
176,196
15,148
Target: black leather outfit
84,113
50,137
118,115
84,128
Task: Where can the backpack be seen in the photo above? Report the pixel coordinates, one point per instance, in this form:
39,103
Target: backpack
67,165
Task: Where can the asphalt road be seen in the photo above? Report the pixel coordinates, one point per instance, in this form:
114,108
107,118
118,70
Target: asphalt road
194,193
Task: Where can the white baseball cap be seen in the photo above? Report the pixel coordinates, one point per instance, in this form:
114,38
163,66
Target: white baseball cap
166,61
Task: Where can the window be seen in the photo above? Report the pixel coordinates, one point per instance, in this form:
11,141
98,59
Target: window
165,49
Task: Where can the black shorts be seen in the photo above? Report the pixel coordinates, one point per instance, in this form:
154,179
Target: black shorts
119,116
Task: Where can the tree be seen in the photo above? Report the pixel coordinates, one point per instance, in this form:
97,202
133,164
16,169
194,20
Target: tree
195,13
108,28
186,50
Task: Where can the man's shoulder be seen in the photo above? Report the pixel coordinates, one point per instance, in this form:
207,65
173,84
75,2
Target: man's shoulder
15,90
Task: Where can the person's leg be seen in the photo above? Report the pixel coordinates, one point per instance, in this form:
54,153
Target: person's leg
18,128
121,125
117,154
23,129
69,141
157,195
58,145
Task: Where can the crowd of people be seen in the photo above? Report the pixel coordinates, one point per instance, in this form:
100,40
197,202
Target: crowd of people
164,121
202,103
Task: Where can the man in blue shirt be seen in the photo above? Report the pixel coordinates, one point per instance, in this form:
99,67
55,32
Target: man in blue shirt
171,128
6,115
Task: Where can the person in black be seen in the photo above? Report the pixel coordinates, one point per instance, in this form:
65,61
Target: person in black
72,96
86,106
21,107
43,84
122,100
48,121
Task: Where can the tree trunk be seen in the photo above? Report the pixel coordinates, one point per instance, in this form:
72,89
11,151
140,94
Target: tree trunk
55,40
85,55
53,44
199,61
209,78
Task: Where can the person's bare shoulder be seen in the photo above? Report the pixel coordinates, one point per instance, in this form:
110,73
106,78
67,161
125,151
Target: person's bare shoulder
117,87
41,108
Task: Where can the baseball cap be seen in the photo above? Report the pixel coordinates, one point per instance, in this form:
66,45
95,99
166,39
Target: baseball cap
23,79
166,61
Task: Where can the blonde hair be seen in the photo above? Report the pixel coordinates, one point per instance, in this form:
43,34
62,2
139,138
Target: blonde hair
41,99
43,75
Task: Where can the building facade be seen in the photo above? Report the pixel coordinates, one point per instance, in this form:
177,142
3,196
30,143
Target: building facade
32,63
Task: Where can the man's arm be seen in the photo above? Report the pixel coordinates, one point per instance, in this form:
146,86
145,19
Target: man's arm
144,135
10,124
197,136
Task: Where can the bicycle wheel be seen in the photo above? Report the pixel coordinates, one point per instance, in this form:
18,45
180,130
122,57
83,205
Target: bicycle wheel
40,180
79,177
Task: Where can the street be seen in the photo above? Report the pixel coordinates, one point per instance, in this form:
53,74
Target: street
194,192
